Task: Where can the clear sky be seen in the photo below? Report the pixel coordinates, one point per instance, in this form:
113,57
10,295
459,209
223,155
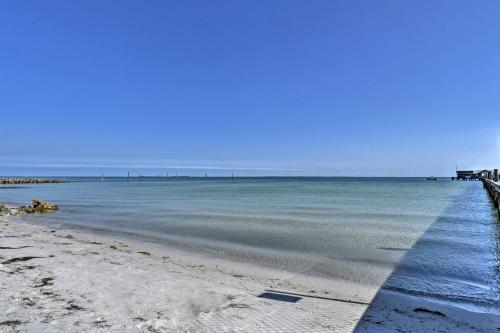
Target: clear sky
402,88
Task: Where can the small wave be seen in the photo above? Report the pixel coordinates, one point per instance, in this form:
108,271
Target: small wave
478,304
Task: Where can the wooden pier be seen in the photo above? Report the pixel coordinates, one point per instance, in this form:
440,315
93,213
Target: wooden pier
492,183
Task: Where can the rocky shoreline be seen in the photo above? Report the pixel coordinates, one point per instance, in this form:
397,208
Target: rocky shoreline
28,181
38,206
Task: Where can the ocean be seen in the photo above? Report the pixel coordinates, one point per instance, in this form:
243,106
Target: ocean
434,239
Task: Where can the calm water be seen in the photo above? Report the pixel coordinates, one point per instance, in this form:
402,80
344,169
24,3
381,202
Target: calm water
436,239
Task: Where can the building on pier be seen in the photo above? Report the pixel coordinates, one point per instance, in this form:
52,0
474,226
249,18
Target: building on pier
471,174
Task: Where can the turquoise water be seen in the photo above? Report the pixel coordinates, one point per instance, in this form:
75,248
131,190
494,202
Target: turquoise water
439,239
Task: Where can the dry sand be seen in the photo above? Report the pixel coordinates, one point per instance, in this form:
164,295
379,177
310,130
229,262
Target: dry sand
56,280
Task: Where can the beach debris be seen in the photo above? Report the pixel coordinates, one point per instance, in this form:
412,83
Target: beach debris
27,181
20,269
14,248
38,206
48,281
10,323
424,310
10,261
101,323
74,307
237,306
4,210
27,301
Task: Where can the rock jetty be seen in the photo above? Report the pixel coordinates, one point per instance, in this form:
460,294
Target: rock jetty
38,206
27,181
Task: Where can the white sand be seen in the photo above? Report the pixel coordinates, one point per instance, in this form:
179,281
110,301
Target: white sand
67,281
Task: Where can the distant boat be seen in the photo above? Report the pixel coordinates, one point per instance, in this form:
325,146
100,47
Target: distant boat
432,178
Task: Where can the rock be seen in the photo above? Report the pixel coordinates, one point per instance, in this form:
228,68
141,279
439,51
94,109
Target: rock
43,206
39,206
4,210
25,210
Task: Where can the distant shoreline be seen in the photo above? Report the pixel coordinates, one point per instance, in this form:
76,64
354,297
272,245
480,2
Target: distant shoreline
62,178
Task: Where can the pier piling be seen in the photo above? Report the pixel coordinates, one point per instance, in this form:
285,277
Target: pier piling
493,188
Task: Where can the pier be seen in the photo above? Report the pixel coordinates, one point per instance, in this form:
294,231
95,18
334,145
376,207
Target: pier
491,183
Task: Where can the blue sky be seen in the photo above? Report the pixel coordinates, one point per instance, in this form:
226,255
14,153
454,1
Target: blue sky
402,88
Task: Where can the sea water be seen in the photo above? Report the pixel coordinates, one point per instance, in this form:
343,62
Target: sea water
437,239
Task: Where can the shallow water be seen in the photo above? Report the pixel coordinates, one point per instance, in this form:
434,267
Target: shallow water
439,239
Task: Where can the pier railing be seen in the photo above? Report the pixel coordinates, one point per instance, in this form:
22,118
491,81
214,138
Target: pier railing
493,188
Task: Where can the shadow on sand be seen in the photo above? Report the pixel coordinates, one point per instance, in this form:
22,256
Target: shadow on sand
295,297
456,262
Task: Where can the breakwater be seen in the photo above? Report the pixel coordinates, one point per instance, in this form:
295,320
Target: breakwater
27,181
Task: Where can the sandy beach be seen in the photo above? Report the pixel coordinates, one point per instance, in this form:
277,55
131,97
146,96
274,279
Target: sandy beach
56,280
250,167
